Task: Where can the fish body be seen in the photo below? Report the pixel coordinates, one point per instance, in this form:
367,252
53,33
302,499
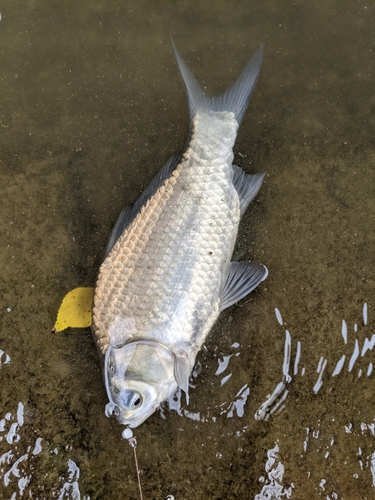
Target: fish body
167,272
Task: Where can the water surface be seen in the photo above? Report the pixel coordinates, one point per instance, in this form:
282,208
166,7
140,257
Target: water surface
91,107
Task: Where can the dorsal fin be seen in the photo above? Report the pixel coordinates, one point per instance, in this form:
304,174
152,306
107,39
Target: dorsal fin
129,213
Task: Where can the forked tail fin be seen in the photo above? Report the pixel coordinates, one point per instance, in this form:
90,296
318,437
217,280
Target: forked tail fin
235,99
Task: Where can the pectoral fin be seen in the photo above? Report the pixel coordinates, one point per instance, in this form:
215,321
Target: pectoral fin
182,373
241,278
75,310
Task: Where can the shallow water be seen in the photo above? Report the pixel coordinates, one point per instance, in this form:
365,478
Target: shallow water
91,107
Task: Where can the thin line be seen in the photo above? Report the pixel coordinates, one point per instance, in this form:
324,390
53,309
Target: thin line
139,479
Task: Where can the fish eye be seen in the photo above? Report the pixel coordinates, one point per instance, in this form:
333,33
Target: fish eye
137,401
130,400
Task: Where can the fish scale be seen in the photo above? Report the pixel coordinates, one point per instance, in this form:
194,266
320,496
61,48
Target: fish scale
179,249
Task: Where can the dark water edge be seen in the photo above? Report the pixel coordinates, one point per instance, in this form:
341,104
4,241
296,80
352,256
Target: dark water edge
91,107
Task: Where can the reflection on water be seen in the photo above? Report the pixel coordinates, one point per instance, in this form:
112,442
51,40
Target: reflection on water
325,444
273,485
236,406
313,442
4,358
18,462
275,401
18,458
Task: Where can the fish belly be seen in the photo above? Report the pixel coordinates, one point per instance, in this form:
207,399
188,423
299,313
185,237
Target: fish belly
163,277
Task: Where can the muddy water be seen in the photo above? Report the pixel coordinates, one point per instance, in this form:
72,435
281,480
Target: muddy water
91,107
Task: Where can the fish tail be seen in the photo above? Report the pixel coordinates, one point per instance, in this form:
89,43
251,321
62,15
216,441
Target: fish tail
235,99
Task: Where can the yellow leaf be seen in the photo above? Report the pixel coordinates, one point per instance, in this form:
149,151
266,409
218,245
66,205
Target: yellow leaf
75,310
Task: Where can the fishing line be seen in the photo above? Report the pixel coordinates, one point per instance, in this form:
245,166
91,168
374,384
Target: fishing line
128,434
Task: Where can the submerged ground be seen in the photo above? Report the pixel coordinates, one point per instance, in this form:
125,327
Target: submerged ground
91,106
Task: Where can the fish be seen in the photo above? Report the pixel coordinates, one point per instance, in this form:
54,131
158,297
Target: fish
167,271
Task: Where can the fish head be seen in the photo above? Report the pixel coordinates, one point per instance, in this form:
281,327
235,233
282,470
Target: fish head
138,377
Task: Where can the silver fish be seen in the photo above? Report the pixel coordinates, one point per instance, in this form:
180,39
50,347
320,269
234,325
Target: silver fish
167,272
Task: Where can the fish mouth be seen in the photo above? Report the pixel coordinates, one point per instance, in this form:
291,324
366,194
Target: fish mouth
128,417
133,422
134,417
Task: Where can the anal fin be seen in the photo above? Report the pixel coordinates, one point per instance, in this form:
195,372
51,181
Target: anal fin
247,186
241,278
